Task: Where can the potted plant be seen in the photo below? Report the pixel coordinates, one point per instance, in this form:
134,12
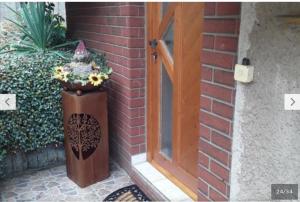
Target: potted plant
85,116
82,74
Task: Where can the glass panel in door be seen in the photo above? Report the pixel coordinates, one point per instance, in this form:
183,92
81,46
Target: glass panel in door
166,113
168,38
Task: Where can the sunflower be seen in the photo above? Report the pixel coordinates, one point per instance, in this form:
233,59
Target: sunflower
65,76
58,76
95,79
104,76
94,65
58,70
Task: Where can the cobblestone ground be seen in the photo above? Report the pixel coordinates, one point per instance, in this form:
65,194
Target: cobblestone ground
54,185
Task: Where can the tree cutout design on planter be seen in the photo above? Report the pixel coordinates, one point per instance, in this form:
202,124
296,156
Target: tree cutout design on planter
84,134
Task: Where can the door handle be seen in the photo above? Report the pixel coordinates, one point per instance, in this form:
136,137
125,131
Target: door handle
153,43
154,55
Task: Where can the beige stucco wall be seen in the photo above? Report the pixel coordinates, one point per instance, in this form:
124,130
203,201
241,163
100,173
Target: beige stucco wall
266,138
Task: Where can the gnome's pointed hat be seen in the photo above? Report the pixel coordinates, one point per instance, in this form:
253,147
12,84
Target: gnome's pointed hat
81,53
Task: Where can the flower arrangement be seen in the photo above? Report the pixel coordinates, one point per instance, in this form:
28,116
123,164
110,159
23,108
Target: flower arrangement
82,74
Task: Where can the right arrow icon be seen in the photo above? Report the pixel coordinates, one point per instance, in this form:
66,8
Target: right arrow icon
293,101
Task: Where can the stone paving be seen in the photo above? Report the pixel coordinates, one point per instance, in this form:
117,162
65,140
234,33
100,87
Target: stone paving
54,185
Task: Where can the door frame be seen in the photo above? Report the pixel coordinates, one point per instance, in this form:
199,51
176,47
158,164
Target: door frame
152,94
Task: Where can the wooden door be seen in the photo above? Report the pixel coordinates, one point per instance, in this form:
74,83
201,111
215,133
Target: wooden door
173,96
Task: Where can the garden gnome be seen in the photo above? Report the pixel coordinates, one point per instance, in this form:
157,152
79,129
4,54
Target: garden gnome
81,60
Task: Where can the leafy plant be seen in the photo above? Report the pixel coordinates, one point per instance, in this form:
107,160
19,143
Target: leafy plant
42,29
96,77
59,32
37,122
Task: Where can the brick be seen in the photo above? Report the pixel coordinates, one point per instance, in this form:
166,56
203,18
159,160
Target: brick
228,8
203,159
142,92
233,97
216,91
139,102
131,53
206,73
136,3
205,103
238,24
135,22
222,109
226,43
134,149
204,132
142,148
202,197
215,196
221,140
214,152
141,11
223,77
219,170
223,60
137,83
137,140
212,180
130,32
142,35
202,186
228,191
209,8
137,121
123,81
136,63
136,43
129,113
116,31
220,26
113,11
130,93
208,41
135,131
214,122
129,10
142,111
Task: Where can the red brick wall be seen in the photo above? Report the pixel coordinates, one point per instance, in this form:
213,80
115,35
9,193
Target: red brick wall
220,41
117,29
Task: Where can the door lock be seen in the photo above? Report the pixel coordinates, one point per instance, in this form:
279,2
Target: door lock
153,43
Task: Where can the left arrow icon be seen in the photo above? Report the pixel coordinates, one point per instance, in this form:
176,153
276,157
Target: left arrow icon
6,101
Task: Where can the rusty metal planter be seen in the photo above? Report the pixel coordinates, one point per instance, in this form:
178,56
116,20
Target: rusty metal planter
86,137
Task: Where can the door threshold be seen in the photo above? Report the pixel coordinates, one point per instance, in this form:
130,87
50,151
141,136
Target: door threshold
166,187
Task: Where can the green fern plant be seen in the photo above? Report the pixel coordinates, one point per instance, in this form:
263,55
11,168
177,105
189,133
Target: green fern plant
40,29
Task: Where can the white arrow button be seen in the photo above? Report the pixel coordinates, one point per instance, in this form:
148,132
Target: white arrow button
292,101
7,101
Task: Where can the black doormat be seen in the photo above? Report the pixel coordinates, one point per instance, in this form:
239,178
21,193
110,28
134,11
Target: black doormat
130,193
